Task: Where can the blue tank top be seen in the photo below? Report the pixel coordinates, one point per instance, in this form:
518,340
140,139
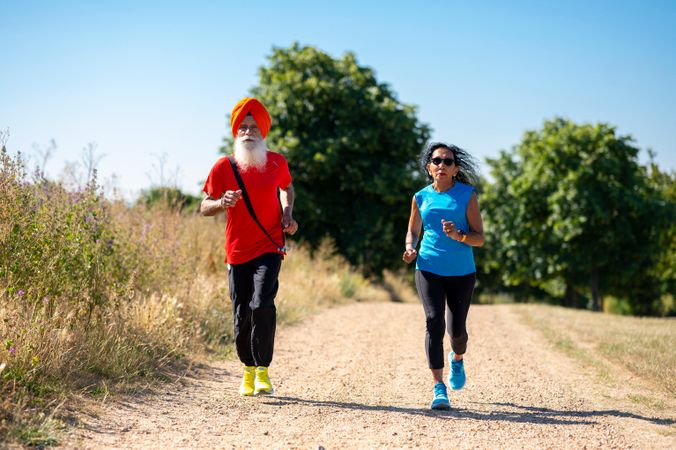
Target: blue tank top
439,253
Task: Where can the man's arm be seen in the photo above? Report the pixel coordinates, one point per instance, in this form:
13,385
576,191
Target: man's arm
211,206
286,198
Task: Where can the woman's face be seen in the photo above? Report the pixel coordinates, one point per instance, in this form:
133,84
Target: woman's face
438,168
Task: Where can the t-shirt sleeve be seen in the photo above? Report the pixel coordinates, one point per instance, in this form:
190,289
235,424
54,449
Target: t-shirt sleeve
472,190
418,199
284,174
215,184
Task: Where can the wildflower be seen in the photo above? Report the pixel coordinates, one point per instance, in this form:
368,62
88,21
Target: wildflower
12,350
45,300
75,197
21,293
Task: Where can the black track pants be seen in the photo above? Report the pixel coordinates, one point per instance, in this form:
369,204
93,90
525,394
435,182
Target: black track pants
253,287
436,292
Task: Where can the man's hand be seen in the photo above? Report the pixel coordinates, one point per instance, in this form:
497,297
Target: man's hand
230,198
289,225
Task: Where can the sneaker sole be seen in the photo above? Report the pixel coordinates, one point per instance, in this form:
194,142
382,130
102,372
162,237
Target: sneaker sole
246,393
441,407
270,392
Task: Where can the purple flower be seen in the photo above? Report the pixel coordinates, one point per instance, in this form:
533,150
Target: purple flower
21,292
75,197
45,300
90,219
12,350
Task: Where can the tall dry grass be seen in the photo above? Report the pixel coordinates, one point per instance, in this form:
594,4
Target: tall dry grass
93,291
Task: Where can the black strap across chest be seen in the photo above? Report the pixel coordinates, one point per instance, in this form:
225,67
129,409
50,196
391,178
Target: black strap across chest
249,206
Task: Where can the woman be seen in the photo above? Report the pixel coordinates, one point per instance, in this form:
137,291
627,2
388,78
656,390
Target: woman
448,211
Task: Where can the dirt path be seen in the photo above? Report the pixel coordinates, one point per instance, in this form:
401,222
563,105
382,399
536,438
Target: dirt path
356,377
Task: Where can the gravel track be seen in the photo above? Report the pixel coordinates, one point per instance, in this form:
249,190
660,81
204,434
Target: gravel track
356,377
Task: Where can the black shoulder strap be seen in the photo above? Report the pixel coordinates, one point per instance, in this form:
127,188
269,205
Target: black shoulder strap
249,206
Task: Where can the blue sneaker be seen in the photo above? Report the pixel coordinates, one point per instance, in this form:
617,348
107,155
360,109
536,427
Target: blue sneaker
457,376
440,400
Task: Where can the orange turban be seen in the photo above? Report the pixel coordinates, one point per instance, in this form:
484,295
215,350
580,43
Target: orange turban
250,105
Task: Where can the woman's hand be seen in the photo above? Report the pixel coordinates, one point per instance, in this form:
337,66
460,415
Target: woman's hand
450,231
409,255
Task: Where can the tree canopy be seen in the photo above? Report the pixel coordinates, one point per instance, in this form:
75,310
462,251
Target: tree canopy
572,211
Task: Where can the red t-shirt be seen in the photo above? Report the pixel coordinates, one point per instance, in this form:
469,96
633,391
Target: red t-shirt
244,240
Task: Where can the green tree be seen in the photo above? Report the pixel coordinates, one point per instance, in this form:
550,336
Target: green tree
352,148
171,197
572,212
665,270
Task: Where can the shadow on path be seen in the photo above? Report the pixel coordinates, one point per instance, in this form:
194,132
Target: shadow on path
509,412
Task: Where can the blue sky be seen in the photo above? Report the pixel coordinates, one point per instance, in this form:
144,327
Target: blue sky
143,79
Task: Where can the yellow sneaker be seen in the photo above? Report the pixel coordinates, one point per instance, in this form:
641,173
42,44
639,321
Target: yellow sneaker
262,385
246,389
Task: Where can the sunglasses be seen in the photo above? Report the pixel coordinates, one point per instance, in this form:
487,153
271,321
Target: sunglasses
447,161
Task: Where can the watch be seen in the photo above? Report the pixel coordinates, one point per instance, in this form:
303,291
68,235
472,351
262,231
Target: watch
463,236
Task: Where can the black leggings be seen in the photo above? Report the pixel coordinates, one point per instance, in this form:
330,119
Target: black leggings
436,292
253,287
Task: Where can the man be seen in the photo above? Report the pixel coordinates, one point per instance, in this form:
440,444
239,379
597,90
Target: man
254,249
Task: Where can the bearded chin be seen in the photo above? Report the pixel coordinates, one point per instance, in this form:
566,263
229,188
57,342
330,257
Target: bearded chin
251,154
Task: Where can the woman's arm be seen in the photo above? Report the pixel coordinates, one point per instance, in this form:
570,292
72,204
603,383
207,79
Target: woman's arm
475,236
413,233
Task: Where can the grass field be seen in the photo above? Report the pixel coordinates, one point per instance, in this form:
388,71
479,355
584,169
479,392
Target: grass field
642,346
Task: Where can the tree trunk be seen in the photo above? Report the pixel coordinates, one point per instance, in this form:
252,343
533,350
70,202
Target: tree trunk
596,300
572,297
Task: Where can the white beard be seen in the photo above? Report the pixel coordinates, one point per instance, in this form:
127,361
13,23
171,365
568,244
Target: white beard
251,154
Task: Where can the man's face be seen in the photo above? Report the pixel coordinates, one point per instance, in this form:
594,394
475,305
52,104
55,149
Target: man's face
250,149
248,131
